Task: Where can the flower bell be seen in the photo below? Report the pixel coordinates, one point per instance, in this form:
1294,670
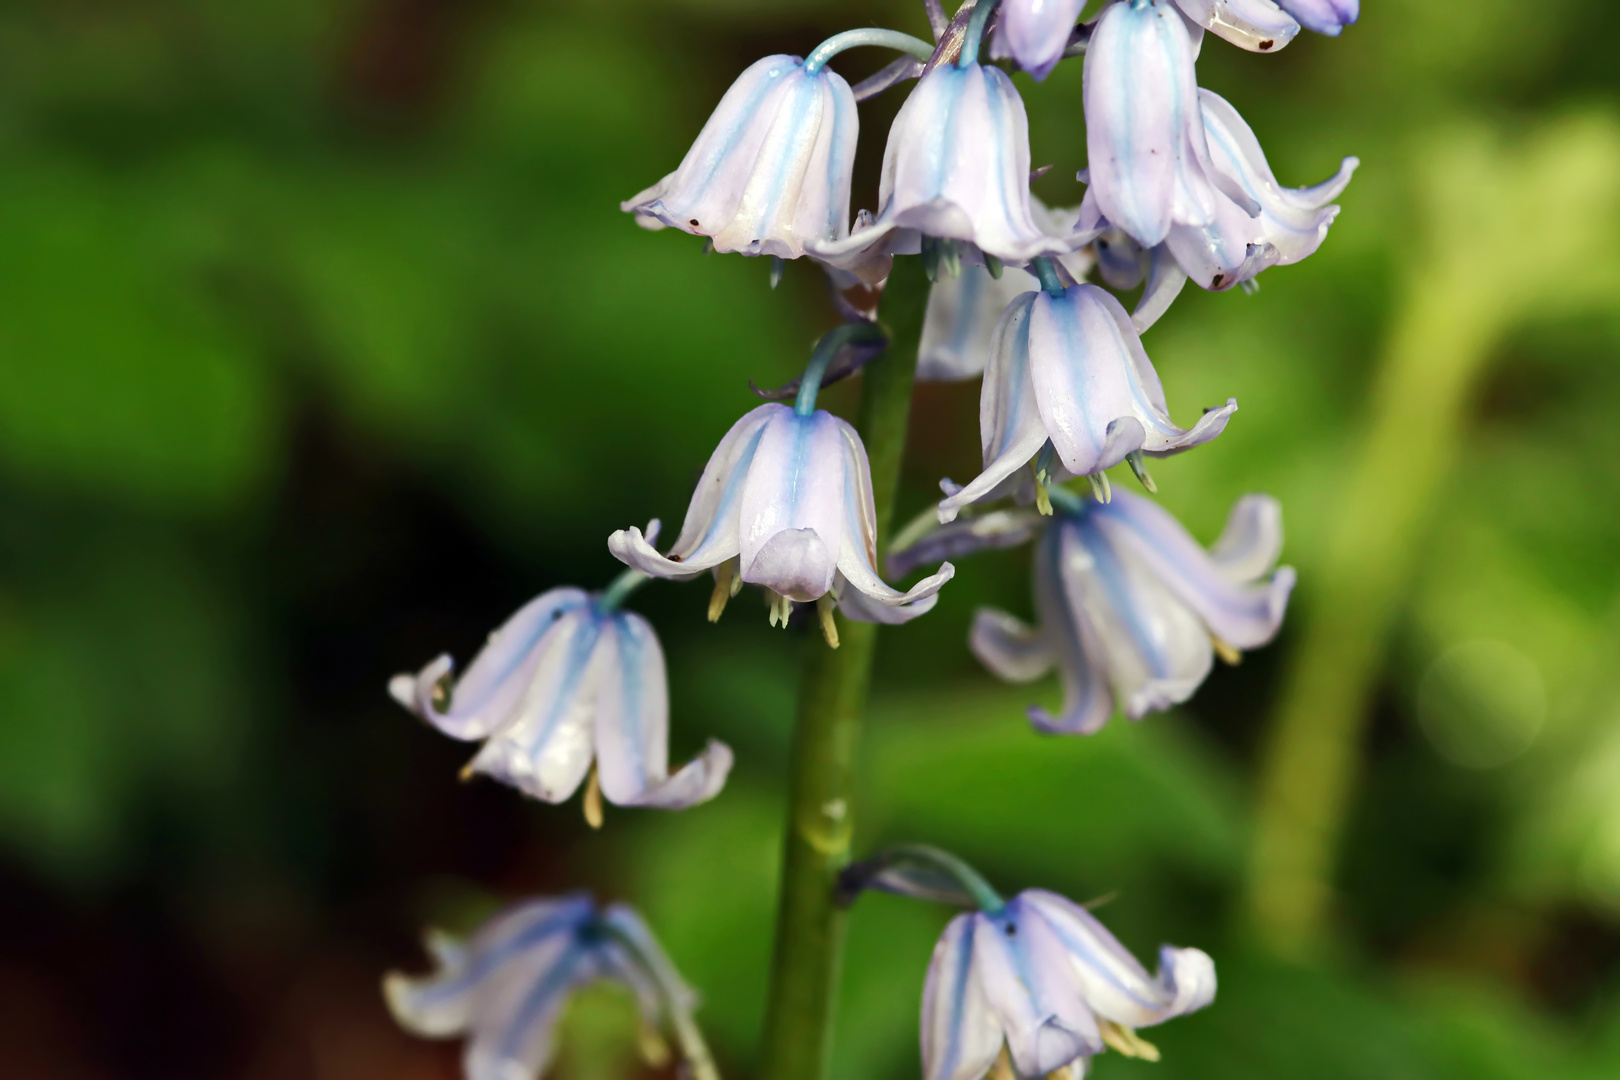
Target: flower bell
1323,16
1043,982
1148,165
1131,610
506,987
1070,368
1035,33
567,679
956,167
1235,246
786,502
770,171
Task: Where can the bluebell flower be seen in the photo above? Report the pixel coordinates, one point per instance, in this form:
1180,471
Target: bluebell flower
1071,369
1235,246
1035,33
770,171
956,166
963,308
505,987
1323,16
1130,609
565,680
1256,25
1044,983
785,502
1147,163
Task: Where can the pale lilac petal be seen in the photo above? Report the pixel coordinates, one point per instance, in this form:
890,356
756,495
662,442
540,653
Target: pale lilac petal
1252,540
545,748
512,1037
965,536
1031,991
524,944
632,725
792,514
771,169
1090,372
1081,654
1035,33
1243,613
1012,649
1290,225
1157,650
1324,16
1165,281
1256,25
1010,425
868,595
709,535
960,1036
957,166
961,319
1120,260
1112,982
485,696
1146,158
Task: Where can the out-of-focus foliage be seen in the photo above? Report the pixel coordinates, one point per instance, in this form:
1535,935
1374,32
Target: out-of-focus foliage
325,346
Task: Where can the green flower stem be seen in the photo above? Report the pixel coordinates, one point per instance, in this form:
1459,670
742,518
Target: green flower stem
832,704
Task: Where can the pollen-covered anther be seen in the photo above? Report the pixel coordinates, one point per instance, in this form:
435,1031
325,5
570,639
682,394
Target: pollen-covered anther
1100,487
781,607
727,583
653,1048
1127,1041
592,803
1226,652
829,628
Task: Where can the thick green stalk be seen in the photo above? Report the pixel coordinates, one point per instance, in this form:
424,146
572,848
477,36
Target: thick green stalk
832,705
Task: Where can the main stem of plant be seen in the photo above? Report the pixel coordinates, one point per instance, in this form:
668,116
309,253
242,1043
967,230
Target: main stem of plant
832,704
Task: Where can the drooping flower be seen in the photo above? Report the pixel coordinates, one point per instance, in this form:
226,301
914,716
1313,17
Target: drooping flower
786,502
1323,16
1071,369
506,986
567,679
1256,25
1235,246
1035,33
963,308
956,167
1147,163
1131,610
1043,981
770,171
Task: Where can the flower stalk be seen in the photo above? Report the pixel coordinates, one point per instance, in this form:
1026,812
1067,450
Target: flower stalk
832,704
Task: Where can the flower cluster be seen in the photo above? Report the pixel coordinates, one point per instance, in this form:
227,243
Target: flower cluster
1130,610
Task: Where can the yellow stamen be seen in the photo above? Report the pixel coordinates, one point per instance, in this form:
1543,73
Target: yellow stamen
593,800
1003,1068
466,773
1127,1041
781,608
829,629
1225,651
1043,501
654,1050
723,589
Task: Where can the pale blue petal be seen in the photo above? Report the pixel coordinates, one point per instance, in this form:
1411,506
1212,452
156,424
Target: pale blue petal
485,697
1324,16
960,1037
1245,613
1256,25
632,725
1035,33
792,513
1082,659
862,595
1031,991
1010,648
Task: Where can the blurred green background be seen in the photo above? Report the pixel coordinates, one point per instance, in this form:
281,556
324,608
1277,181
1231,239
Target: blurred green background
324,347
